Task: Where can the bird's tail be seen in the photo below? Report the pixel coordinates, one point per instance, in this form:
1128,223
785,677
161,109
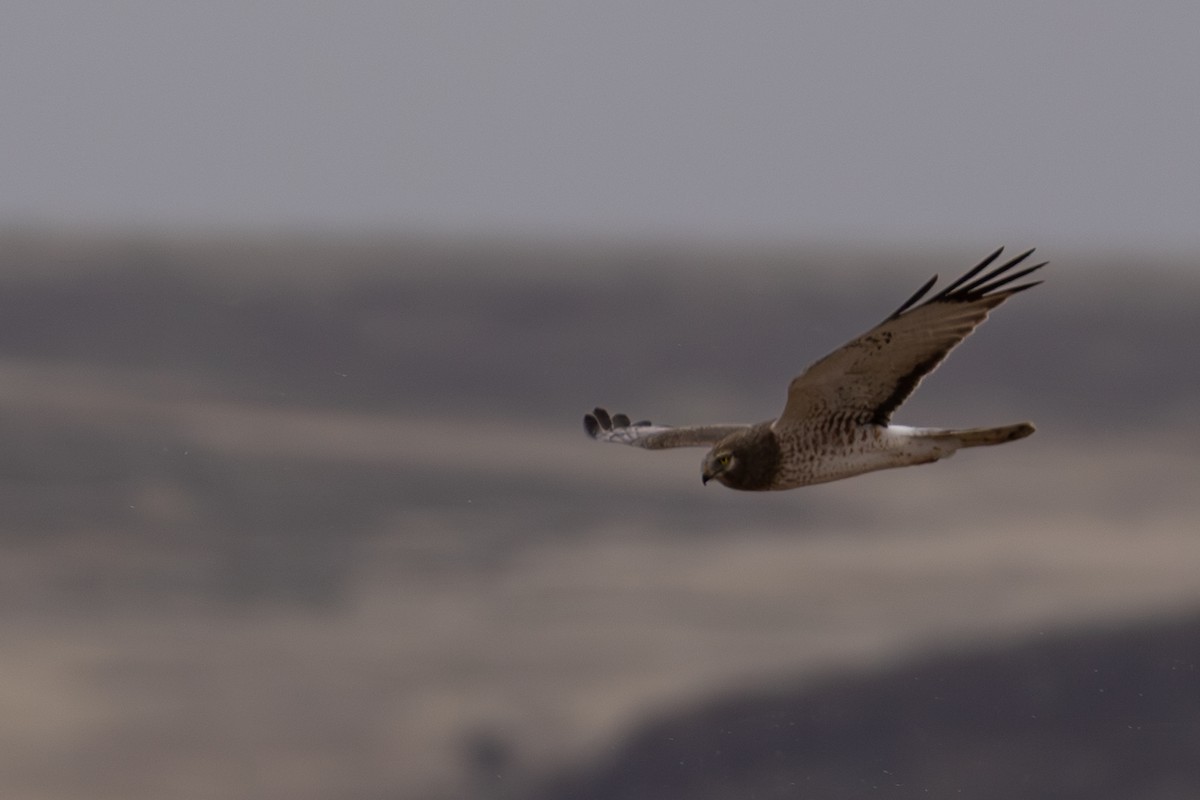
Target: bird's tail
982,437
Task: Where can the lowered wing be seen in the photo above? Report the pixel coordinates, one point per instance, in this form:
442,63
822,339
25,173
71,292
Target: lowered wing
617,428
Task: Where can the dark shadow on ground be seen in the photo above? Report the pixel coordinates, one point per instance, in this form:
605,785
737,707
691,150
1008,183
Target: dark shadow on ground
1111,714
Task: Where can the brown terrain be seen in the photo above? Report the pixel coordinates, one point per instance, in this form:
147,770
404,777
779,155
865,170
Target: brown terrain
311,519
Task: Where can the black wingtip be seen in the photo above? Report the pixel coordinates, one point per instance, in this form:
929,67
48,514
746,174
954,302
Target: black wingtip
971,273
991,257
969,287
1023,287
600,421
996,278
917,295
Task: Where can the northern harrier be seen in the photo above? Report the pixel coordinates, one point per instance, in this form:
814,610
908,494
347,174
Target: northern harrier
836,421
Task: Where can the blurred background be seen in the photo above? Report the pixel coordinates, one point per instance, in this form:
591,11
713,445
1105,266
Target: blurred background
301,305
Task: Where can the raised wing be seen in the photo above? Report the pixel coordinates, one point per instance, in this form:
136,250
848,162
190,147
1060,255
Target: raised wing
868,378
617,428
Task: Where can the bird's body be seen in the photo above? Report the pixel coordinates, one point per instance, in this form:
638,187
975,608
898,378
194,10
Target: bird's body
802,457
836,423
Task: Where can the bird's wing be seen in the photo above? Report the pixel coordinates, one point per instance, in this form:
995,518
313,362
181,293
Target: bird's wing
617,428
865,380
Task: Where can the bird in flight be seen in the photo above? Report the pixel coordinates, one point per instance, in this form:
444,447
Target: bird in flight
837,419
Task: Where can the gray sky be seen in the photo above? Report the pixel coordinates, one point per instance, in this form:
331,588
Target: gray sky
968,123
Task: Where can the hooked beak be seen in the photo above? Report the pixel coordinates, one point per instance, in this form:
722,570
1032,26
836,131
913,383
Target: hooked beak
705,477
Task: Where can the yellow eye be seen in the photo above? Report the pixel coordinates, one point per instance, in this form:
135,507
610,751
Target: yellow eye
724,459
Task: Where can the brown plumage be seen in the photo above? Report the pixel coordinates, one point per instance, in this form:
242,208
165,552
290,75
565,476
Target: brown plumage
836,422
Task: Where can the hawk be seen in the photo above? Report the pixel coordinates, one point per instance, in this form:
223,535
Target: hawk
837,419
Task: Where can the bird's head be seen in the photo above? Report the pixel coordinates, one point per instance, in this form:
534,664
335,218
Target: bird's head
721,463
743,460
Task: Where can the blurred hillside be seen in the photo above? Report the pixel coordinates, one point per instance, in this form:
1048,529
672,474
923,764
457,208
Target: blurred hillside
312,518
1107,714
521,330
